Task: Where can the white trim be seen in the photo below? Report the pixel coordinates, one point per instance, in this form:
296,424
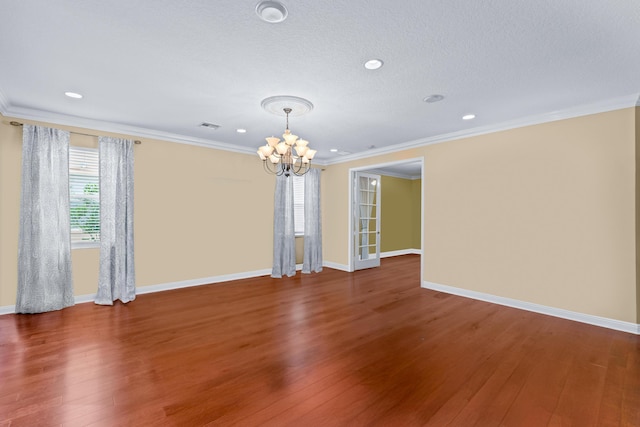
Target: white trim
81,299
95,244
62,119
604,322
7,309
167,286
578,111
394,174
400,252
99,125
141,290
199,282
336,266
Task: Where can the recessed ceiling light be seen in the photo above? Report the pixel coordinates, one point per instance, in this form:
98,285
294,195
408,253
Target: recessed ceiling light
241,130
469,117
334,150
433,98
271,11
373,64
73,95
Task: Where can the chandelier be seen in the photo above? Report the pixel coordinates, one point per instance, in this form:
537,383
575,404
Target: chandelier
278,158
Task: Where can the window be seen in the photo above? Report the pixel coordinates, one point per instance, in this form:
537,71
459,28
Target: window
84,192
298,204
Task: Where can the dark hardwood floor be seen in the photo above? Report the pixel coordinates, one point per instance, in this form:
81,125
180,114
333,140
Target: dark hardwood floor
330,349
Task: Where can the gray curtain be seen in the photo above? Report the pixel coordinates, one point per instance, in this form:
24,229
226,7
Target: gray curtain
44,248
117,272
312,260
284,238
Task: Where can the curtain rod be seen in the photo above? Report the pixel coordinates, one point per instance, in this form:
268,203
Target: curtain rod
137,142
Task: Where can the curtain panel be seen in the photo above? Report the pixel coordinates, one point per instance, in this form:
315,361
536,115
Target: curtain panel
284,238
312,260
44,248
117,271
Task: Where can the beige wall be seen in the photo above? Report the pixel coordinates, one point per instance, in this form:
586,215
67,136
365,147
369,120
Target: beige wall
195,215
543,214
398,223
10,170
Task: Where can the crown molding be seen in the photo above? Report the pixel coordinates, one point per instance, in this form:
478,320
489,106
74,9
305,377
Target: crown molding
578,111
99,125
394,174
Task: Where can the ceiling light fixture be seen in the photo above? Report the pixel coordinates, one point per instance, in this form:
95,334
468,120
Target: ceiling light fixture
469,117
73,95
272,12
334,150
241,130
373,64
278,158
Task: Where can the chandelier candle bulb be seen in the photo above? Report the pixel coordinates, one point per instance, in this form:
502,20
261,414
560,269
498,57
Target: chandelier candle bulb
301,150
282,148
289,138
266,150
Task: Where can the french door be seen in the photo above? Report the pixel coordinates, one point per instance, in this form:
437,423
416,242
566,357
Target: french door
366,220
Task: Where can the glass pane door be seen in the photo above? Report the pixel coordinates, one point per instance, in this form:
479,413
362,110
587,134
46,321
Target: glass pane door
366,220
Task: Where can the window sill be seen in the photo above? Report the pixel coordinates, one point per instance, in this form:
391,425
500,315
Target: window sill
85,245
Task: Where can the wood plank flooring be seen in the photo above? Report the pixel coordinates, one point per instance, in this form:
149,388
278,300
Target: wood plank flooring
332,349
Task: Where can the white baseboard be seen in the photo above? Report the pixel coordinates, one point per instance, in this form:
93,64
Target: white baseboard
604,322
79,299
203,281
400,252
336,266
140,290
7,309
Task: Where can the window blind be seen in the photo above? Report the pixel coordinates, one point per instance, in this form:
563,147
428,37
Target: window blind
84,192
298,204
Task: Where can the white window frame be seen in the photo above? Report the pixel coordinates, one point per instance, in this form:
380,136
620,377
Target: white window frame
75,154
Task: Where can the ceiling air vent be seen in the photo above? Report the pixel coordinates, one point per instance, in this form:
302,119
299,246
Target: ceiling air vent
209,125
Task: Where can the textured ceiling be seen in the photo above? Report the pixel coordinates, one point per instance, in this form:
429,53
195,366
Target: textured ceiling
165,66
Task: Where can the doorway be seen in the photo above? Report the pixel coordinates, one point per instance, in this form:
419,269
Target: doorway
366,209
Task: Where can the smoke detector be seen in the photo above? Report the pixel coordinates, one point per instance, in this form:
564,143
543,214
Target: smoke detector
272,12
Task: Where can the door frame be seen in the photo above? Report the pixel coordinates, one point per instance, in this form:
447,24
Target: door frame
351,177
372,262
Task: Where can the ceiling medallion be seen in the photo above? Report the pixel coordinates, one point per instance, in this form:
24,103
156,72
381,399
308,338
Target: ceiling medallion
277,104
